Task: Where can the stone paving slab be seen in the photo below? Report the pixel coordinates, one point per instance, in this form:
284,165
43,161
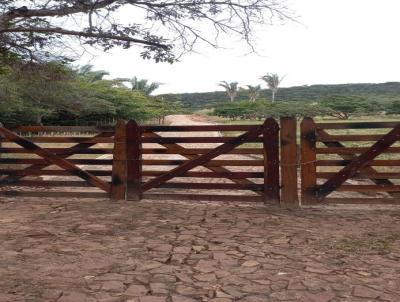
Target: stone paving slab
96,250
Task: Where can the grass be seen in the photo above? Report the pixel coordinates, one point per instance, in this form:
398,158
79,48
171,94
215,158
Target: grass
372,243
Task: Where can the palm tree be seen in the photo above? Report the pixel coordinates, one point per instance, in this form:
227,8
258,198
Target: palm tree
144,85
91,75
254,92
230,88
273,81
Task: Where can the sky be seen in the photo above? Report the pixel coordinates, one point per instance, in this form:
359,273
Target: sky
333,42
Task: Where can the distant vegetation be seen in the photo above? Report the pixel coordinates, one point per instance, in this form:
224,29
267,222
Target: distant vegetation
384,94
55,93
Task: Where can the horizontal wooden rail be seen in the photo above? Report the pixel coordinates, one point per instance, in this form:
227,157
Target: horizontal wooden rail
30,161
95,129
67,140
212,163
52,183
203,197
361,201
34,172
212,186
351,150
57,194
173,140
349,138
376,175
229,175
369,188
200,128
192,151
60,151
357,125
380,162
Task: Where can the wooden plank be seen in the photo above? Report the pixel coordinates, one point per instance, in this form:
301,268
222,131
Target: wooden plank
377,163
56,194
365,175
205,140
325,137
34,172
60,151
358,164
308,161
229,174
119,168
66,140
38,161
134,158
289,192
54,159
211,186
195,128
203,197
192,151
358,125
361,201
351,150
62,129
53,183
368,188
204,158
212,163
271,161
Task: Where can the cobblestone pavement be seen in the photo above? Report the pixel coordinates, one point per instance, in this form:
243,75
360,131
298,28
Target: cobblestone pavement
97,250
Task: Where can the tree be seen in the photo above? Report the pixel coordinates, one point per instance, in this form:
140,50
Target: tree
230,88
342,107
87,72
394,107
36,29
144,85
273,81
253,92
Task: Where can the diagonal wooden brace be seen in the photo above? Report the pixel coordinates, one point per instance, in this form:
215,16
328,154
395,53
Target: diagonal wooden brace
179,150
56,160
358,163
204,158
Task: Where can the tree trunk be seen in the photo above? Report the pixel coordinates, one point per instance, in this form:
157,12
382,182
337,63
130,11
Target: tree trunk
273,96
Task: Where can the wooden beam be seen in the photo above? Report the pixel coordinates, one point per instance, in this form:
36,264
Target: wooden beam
289,193
134,160
119,168
271,161
308,161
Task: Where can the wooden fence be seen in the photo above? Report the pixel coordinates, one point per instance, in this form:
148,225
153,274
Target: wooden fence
350,162
339,162
211,162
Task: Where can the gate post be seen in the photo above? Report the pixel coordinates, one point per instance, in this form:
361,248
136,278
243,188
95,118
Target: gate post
271,160
289,194
119,167
308,161
134,161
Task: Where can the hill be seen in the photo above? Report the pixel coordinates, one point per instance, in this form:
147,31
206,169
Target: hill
381,92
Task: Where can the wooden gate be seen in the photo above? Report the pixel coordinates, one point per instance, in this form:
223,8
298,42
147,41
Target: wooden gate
359,158
210,162
56,161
